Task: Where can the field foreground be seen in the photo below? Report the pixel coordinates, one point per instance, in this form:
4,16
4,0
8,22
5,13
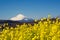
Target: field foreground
43,30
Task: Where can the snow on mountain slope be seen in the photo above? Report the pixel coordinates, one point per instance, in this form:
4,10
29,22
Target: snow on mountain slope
18,17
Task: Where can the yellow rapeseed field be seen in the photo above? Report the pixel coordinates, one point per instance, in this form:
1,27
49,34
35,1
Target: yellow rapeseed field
41,31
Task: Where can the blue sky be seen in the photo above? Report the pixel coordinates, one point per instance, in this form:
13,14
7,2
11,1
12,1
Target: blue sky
29,8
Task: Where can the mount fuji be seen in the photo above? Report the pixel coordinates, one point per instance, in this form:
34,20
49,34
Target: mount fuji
21,18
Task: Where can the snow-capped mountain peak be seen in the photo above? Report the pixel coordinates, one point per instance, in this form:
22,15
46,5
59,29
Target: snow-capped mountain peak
18,17
21,18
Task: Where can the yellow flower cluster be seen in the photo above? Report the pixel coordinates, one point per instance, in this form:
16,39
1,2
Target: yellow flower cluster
42,31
